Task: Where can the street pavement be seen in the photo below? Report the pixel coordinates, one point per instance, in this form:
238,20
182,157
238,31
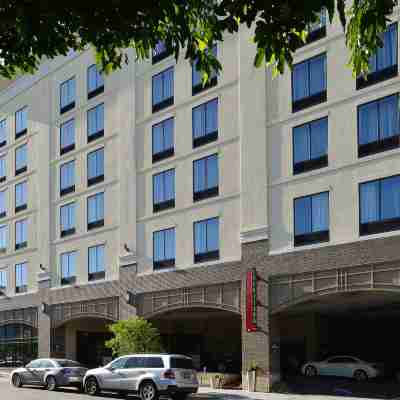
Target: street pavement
8,392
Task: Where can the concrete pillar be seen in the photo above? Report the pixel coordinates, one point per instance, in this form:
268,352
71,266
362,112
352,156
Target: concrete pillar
44,321
312,336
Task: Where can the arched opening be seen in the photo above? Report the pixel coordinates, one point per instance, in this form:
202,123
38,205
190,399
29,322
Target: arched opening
211,337
83,339
358,324
18,344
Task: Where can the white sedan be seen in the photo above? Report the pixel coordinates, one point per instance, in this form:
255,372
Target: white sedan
343,366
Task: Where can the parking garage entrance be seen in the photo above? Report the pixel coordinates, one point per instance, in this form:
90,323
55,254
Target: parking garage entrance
316,322
211,337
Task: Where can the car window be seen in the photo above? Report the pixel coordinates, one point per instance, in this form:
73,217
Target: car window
342,360
153,362
181,363
34,364
132,362
68,363
118,363
46,364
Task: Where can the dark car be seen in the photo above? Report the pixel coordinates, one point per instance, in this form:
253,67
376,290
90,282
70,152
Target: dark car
50,373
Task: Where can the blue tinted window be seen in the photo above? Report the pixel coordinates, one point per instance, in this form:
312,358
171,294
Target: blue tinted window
3,167
3,201
164,186
163,86
67,175
310,141
205,119
67,134
309,77
67,216
163,136
311,214
21,274
320,23
95,120
3,131
3,236
3,279
164,245
95,206
95,163
21,194
95,78
205,173
206,236
378,120
68,264
21,157
67,92
386,56
380,200
21,120
96,259
21,231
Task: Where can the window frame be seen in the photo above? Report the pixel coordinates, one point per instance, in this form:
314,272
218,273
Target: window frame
384,74
3,213
99,133
165,263
380,226
24,131
313,237
313,163
3,158
24,244
3,125
71,278
99,88
168,152
24,168
381,145
69,106
213,80
165,102
207,137
5,227
211,255
3,282
97,178
71,188
22,288
23,206
166,204
99,222
316,98
98,275
208,192
72,230
70,147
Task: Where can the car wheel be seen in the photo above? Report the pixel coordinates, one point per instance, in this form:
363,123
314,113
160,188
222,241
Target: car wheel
310,371
17,380
92,387
360,375
148,391
51,383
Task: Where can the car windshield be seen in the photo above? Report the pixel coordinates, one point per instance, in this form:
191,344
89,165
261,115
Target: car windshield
68,363
181,363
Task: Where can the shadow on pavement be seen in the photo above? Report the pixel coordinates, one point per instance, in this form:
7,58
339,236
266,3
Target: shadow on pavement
377,388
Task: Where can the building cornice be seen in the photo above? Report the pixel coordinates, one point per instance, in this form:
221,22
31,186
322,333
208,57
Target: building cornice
254,235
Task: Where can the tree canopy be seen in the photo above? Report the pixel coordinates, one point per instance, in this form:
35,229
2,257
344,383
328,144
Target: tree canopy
33,29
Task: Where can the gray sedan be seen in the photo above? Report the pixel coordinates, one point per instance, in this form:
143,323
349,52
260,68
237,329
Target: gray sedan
50,373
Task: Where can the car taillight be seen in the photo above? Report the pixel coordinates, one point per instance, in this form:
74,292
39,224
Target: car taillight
169,374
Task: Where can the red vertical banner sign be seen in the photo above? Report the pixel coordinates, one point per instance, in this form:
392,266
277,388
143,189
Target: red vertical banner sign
251,301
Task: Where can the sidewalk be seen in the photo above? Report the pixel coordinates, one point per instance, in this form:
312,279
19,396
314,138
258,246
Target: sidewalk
216,394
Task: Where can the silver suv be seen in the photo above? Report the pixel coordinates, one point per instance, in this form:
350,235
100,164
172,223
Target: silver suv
148,375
